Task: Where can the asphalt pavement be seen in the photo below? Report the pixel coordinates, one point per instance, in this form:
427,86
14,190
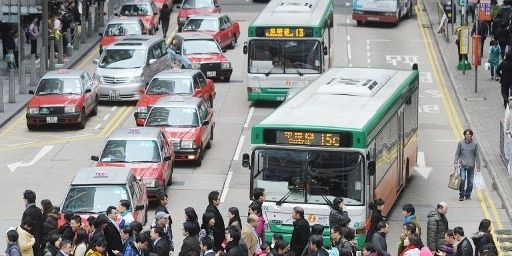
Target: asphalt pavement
482,110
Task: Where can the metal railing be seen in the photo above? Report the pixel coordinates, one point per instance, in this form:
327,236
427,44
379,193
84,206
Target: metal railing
442,21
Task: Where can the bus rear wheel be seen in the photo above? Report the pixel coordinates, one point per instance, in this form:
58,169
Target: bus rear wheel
359,22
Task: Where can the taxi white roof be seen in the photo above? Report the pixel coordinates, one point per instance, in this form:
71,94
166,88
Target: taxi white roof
102,176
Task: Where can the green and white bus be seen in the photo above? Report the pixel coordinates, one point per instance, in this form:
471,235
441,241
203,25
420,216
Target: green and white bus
352,133
289,45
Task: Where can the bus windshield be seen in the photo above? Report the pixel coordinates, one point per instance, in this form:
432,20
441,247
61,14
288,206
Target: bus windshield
285,56
309,176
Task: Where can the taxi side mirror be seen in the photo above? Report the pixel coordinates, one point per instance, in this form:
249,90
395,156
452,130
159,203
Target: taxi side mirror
100,34
95,158
224,49
205,122
245,48
139,207
30,91
167,158
325,50
116,14
246,160
371,168
88,90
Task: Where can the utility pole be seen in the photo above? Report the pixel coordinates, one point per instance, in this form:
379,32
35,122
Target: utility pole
44,46
478,53
21,54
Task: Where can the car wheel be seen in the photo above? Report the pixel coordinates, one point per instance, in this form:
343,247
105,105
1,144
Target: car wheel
209,144
226,78
95,109
199,159
233,42
31,127
83,120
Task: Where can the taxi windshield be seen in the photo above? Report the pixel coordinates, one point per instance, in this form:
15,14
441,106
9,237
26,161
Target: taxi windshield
134,10
202,25
201,47
122,58
159,86
173,116
127,151
198,4
123,29
59,86
89,199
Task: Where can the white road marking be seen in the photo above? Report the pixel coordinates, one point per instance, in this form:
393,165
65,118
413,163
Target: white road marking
97,127
78,136
349,52
368,60
106,116
368,47
225,189
348,38
12,167
251,111
367,54
18,144
113,108
446,140
350,65
422,168
238,148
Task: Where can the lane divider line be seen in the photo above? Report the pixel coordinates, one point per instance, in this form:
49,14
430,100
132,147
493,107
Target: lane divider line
225,189
249,116
238,148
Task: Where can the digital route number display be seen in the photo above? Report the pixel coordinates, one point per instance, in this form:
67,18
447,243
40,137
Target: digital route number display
284,32
308,138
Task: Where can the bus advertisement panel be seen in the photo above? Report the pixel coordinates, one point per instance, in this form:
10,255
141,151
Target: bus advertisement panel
352,133
289,45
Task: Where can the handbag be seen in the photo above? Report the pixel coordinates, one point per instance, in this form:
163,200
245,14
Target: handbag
454,181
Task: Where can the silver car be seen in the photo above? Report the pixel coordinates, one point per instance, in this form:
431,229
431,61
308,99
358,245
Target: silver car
125,67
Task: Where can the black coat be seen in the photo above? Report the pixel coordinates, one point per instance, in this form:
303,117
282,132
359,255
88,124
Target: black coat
34,213
504,71
464,248
218,228
113,238
161,248
190,247
50,225
300,236
235,249
165,15
376,218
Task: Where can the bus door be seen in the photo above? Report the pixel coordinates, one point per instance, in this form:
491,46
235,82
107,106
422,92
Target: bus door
400,149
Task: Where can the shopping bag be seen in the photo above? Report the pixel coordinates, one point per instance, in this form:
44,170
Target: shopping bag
454,181
479,180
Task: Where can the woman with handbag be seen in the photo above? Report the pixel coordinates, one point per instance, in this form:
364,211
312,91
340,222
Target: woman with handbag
466,159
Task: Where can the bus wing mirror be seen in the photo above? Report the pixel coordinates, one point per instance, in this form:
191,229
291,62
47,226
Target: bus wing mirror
371,168
325,50
245,48
245,160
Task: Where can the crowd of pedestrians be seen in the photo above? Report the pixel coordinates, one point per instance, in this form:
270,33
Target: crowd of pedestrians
116,233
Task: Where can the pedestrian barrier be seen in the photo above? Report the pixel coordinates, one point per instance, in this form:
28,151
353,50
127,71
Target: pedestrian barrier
442,21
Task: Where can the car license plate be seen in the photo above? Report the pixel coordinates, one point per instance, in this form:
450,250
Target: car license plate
373,18
114,95
279,97
211,73
51,119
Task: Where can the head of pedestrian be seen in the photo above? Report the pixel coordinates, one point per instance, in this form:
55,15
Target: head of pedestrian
449,237
142,241
232,234
348,233
376,205
54,239
206,244
214,198
100,246
485,226
369,248
75,223
126,233
11,236
101,221
468,134
66,247
281,247
112,213
317,229
255,208
208,220
191,214
335,234
408,210
383,227
252,219
189,229
298,213
161,218
409,229
458,232
315,242
29,196
442,208
412,241
26,223
124,206
157,233
275,238
259,195
163,199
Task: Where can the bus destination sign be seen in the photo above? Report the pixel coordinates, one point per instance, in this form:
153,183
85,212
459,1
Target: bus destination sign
278,32
308,138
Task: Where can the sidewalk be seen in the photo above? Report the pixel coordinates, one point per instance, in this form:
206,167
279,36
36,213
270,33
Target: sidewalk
483,110
11,109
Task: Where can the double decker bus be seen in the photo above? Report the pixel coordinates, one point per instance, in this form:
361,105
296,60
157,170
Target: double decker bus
386,11
352,133
289,45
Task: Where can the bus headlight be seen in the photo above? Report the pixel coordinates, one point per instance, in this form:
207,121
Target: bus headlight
188,144
254,89
225,65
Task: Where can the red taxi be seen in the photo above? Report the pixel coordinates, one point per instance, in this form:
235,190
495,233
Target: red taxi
146,10
146,151
118,28
63,96
196,7
218,25
187,122
183,82
94,189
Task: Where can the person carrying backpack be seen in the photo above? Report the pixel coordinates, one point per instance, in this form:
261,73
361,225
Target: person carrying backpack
494,58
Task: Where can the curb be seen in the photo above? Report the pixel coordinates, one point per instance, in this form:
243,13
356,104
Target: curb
70,64
494,174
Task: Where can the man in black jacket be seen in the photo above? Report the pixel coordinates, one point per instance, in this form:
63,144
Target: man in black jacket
464,247
34,213
112,235
218,228
300,234
160,244
162,207
504,72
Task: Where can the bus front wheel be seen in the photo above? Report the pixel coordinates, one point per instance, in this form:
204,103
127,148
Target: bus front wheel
359,22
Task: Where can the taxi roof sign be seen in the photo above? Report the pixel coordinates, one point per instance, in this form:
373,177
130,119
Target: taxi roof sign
100,174
176,99
63,71
134,131
176,70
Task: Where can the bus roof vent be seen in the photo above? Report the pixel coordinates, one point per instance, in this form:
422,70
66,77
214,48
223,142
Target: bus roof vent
356,83
297,6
